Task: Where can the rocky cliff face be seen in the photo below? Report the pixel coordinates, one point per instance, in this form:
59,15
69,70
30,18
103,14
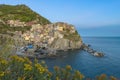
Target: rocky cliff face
70,38
66,44
27,25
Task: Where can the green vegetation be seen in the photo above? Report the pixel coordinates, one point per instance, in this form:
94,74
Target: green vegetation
22,13
72,36
19,68
4,28
6,47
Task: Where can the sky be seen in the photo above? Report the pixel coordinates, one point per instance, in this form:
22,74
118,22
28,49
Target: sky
90,17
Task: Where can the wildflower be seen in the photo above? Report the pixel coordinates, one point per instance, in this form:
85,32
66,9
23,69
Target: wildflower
16,58
46,70
49,74
36,61
56,68
2,74
81,76
68,67
78,75
42,62
27,67
4,62
20,59
113,78
21,78
27,60
57,78
102,77
63,70
37,65
41,70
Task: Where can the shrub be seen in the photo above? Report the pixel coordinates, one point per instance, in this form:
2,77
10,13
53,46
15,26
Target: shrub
21,68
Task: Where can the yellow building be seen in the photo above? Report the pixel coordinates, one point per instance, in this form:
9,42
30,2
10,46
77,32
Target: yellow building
27,38
60,28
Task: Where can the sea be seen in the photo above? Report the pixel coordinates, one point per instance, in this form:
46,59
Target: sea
89,65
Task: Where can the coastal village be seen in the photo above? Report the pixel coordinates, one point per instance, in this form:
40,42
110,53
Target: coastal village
42,34
48,36
30,33
46,39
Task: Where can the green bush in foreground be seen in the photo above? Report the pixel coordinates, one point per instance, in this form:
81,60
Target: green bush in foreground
18,68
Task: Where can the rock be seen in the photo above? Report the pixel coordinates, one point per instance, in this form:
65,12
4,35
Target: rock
65,44
91,51
98,54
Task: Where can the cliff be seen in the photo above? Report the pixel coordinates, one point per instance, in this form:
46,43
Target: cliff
20,22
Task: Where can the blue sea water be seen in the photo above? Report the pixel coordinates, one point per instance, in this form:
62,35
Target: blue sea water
89,65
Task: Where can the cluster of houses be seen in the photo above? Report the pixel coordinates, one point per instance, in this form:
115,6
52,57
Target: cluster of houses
48,33
18,23
42,35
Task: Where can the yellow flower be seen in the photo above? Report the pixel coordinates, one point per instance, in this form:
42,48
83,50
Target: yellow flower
102,77
27,67
36,61
40,68
79,75
113,78
27,60
21,78
56,68
57,78
2,74
68,67
17,58
20,59
42,62
4,62
14,57
49,74
37,65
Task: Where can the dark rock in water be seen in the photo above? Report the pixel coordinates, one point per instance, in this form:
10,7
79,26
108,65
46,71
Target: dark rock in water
98,54
88,45
91,51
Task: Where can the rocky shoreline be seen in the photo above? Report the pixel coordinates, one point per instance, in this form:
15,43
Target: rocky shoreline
40,52
93,52
46,52
37,51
